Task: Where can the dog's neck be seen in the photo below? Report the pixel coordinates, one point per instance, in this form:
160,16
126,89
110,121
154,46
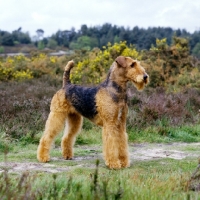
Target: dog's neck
117,77
115,86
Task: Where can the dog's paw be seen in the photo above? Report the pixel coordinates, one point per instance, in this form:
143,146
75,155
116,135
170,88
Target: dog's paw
113,165
68,158
125,164
67,154
43,158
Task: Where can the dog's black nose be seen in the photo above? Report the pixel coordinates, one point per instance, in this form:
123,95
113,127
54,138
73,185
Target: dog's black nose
145,77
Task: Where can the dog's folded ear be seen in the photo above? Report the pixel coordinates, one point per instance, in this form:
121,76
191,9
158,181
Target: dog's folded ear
121,60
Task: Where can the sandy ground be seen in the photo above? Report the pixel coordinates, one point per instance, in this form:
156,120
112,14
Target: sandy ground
138,152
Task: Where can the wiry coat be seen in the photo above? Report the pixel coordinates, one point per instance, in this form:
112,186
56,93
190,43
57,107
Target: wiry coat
105,105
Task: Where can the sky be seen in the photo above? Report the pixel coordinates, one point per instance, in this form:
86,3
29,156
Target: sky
52,16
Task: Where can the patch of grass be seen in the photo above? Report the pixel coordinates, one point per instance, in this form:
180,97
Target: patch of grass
191,148
154,179
91,136
26,154
143,180
5,146
87,124
166,134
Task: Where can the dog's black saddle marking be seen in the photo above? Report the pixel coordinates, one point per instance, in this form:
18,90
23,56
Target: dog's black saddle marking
83,99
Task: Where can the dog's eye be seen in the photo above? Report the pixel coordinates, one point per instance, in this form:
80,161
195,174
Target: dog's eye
132,65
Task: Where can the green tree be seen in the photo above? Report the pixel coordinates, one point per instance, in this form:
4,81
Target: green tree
116,39
6,38
84,42
20,37
41,45
40,33
196,50
52,44
84,29
24,38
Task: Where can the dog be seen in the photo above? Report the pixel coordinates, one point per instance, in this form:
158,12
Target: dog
104,104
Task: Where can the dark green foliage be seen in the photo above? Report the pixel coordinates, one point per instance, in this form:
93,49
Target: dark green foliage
16,37
6,38
196,50
99,36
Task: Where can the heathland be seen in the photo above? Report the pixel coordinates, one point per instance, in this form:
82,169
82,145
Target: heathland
163,124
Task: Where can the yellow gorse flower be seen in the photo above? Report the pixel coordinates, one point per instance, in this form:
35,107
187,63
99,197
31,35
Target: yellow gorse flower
53,59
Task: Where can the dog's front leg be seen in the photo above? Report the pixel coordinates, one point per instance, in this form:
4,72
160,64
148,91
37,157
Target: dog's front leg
123,150
123,141
111,137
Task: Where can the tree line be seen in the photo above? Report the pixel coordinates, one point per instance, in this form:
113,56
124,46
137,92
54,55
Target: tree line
99,36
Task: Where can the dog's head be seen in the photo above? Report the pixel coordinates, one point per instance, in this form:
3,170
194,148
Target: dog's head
133,71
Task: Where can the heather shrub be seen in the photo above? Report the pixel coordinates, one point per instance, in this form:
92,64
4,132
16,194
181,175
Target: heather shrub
28,84
25,106
157,107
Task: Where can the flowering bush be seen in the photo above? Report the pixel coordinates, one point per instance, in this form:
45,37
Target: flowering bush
172,66
169,66
95,67
21,67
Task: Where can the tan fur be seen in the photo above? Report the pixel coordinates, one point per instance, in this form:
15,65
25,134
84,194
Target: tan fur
111,115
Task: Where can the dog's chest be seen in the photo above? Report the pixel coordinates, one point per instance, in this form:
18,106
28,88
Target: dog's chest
83,99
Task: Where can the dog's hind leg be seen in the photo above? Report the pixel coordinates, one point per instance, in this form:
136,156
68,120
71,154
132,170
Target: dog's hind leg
72,128
53,127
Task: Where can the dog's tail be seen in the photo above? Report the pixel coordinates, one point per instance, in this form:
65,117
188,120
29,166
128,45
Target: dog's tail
66,74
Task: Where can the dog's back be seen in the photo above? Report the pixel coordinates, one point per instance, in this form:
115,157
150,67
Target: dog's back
82,98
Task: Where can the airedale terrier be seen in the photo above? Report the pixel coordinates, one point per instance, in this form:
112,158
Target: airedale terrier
105,105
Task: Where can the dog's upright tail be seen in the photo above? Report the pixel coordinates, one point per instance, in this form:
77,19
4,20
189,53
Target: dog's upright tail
66,74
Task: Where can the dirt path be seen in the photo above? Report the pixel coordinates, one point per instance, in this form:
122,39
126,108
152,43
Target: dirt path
138,152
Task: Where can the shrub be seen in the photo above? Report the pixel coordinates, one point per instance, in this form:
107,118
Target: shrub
21,67
93,69
166,63
52,44
161,108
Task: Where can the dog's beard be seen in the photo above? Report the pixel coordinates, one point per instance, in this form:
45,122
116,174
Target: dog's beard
140,82
139,86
